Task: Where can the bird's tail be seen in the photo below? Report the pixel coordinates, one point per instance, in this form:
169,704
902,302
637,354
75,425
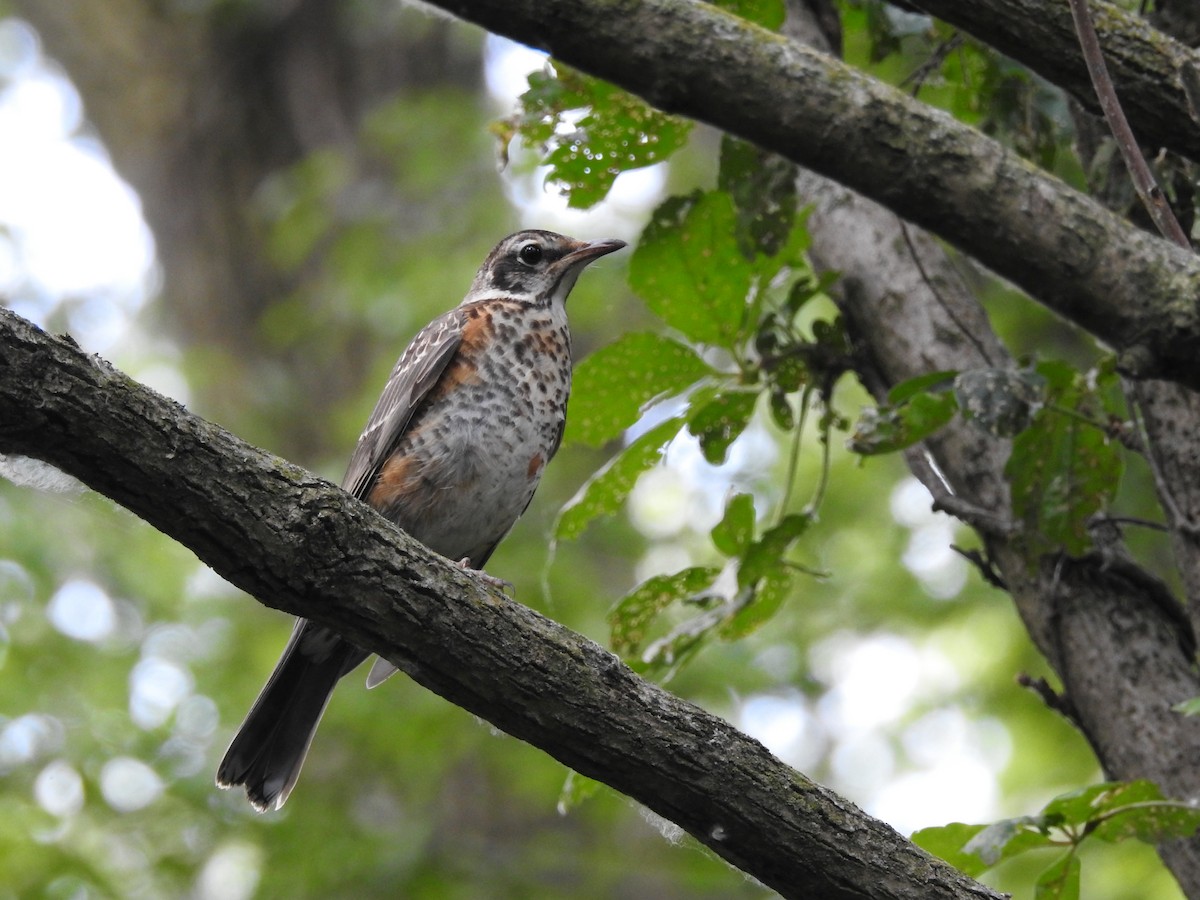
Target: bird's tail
267,752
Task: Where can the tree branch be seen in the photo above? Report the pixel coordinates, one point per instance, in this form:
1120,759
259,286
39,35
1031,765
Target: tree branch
302,545
1152,70
1147,188
1132,290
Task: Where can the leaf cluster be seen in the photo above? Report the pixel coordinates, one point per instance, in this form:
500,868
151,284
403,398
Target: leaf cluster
1110,812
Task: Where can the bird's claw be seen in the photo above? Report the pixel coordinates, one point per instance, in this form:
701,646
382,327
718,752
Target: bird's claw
505,587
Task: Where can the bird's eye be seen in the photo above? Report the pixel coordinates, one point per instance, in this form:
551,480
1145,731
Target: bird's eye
530,254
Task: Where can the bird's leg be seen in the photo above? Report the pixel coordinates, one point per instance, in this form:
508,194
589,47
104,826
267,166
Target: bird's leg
505,587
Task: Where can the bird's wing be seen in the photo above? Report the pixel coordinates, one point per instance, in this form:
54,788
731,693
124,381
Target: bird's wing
415,374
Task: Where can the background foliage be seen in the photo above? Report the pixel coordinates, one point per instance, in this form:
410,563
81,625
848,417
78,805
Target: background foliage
727,513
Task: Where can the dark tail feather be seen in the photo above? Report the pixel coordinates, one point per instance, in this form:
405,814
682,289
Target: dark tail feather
267,752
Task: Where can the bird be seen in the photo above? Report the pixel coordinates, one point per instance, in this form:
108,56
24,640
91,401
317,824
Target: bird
452,453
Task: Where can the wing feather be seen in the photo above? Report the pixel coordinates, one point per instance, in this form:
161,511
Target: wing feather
416,372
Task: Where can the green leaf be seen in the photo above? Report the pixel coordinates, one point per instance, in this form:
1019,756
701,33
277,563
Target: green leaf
763,188
1188,707
690,271
1007,838
947,842
575,790
922,384
781,410
888,429
614,384
720,421
976,848
1061,472
736,528
1060,881
586,153
767,13
633,614
765,554
1078,808
764,602
604,492
1149,822
1119,811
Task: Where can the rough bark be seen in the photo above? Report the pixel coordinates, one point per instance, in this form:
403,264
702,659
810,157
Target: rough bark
1110,630
304,546
1149,68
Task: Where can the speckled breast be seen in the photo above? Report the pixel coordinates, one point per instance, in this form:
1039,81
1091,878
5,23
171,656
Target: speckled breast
475,449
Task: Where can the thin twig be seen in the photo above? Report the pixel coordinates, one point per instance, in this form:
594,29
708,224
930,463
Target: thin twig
1147,188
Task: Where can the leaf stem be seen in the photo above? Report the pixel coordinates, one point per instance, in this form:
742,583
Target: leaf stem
794,456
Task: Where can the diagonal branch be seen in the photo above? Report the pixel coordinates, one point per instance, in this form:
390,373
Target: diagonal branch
304,546
1133,290
1147,188
1154,72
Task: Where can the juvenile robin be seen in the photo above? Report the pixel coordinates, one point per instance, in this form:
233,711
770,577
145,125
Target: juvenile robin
452,453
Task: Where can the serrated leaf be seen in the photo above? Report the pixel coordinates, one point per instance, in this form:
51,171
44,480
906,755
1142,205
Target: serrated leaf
736,527
767,13
1061,471
1060,881
604,492
586,153
633,614
719,422
773,588
767,552
689,269
613,385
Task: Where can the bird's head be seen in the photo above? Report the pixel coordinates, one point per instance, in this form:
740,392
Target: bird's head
539,267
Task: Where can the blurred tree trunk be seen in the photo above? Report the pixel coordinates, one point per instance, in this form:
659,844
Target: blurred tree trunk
199,107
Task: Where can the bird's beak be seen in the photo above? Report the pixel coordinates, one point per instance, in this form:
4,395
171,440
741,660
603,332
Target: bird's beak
589,250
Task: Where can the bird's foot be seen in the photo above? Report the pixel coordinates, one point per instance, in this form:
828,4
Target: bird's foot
505,587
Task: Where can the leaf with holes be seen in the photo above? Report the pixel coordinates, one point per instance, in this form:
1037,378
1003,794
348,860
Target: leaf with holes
761,605
604,492
587,152
690,271
1060,881
763,188
736,527
1061,472
719,421
616,383
632,616
762,556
